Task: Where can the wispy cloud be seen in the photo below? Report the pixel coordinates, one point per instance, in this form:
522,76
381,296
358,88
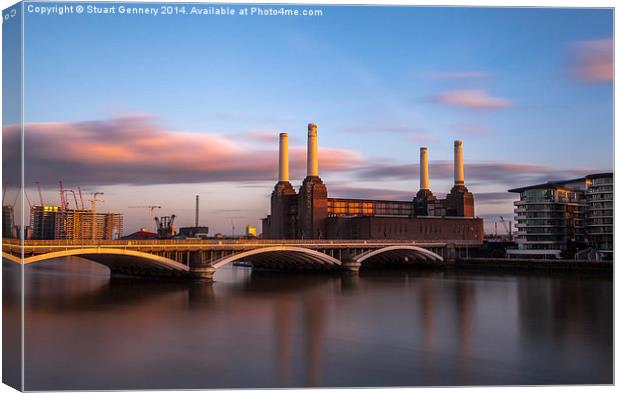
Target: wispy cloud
420,138
473,129
592,60
413,133
450,75
382,128
248,117
472,99
133,150
505,174
495,198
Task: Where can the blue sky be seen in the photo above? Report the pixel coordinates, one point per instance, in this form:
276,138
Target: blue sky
379,81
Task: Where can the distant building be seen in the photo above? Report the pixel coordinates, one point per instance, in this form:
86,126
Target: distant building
55,223
43,222
142,234
311,214
8,222
558,218
250,231
193,232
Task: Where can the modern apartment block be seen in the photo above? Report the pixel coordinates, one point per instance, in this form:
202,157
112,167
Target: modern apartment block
558,218
600,213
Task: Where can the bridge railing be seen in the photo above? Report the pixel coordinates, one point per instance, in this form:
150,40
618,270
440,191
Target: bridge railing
120,243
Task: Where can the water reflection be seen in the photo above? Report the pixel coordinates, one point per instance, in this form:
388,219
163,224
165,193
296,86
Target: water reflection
257,329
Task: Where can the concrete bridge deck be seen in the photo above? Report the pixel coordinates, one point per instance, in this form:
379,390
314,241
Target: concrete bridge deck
201,258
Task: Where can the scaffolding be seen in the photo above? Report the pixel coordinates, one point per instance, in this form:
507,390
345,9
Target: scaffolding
55,223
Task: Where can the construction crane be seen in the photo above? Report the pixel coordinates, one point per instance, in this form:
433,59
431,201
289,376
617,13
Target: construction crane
151,210
4,193
63,201
27,199
93,206
40,194
507,227
94,200
81,198
74,198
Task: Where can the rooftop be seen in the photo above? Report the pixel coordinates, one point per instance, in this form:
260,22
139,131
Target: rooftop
560,183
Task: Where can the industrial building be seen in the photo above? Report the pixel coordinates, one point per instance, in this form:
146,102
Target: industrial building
558,218
56,223
195,232
311,214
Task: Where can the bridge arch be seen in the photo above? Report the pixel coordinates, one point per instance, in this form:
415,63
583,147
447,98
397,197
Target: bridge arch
404,251
284,255
11,257
114,258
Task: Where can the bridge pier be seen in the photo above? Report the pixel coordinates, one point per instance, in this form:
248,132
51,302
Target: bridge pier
199,269
351,265
203,273
449,254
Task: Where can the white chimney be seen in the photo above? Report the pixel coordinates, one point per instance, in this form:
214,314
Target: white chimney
313,150
459,169
425,183
283,167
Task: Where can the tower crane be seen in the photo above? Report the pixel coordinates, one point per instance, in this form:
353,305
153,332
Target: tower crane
74,198
93,205
506,227
151,210
40,193
81,198
63,200
94,200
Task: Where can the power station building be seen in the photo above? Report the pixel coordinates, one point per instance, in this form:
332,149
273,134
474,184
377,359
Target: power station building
312,214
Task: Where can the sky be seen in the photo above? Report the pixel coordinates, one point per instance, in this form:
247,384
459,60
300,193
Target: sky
153,110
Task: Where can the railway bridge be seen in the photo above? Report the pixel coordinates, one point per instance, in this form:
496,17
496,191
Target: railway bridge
200,259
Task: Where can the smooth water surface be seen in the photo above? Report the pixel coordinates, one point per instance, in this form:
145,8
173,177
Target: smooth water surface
85,330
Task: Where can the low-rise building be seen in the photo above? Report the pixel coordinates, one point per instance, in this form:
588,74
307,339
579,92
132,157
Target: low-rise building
193,232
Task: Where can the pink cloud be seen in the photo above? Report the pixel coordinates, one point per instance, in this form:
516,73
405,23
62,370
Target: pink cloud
593,60
473,98
133,150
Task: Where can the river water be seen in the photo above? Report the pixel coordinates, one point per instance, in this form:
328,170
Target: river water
85,330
